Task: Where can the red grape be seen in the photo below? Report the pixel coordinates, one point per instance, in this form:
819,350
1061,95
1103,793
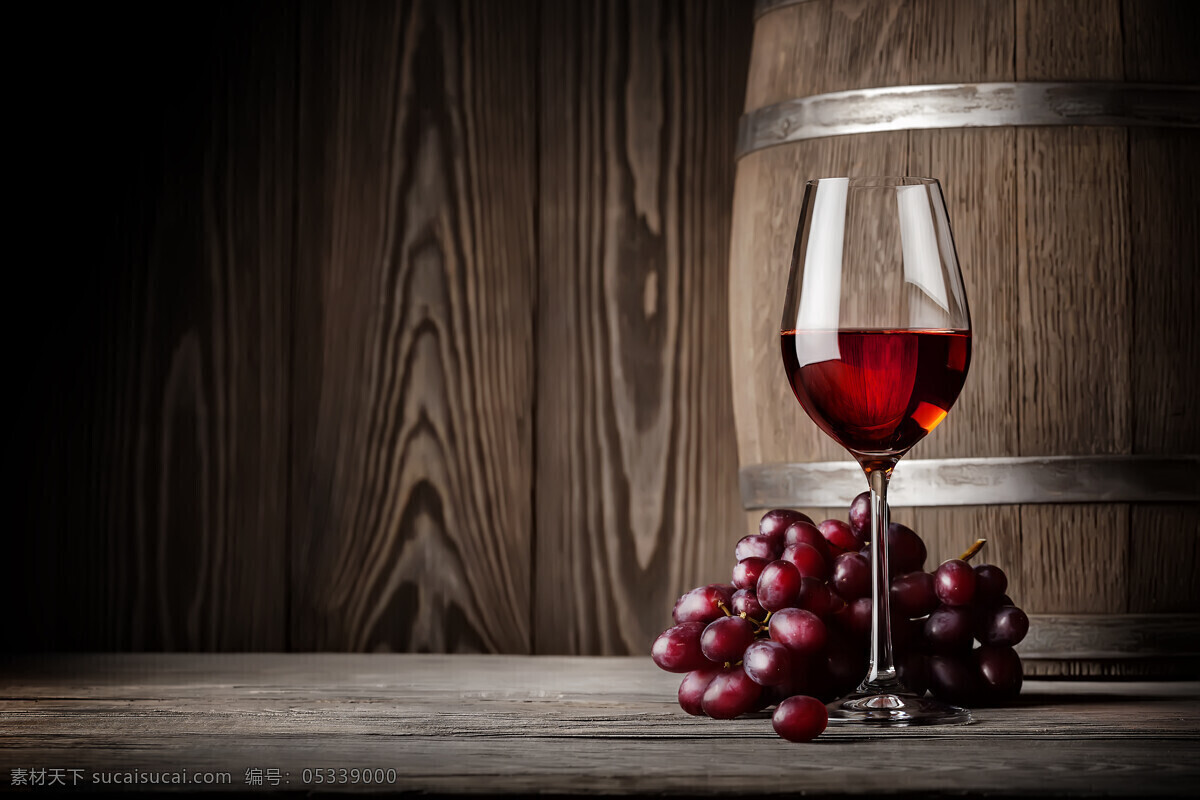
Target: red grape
746,572
857,617
841,539
691,690
701,605
776,521
726,639
948,629
846,666
954,582
953,679
815,597
745,601
913,594
913,671
730,694
807,533
906,550
808,560
1006,626
800,630
768,663
860,517
677,649
1000,668
800,718
990,584
756,545
779,585
852,575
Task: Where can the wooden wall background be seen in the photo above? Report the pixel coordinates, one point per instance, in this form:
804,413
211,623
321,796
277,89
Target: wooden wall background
374,326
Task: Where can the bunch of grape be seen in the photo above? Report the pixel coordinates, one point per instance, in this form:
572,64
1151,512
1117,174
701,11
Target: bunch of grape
793,627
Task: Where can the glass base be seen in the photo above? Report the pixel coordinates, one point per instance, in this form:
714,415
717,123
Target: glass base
894,711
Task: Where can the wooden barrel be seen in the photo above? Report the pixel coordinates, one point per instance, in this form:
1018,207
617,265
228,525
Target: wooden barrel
1065,136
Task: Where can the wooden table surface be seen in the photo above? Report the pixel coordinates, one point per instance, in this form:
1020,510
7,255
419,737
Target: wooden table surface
551,725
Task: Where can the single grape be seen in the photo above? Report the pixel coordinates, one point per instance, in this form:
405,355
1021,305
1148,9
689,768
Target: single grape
860,517
852,575
913,594
809,676
1000,668
954,582
691,690
1005,626
768,663
856,619
725,639
954,678
730,694
948,629
746,572
745,601
846,666
990,584
799,630
800,718
907,634
677,649
913,671
809,534
839,536
776,521
816,597
702,604
779,585
906,550
808,561
756,545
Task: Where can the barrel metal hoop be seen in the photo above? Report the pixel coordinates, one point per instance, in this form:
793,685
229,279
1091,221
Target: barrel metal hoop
969,105
767,6
981,481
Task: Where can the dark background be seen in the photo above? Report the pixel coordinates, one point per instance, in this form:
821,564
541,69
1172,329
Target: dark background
371,325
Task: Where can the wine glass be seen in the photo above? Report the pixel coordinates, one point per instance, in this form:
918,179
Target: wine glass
876,341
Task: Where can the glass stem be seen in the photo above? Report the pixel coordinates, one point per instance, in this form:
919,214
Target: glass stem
881,677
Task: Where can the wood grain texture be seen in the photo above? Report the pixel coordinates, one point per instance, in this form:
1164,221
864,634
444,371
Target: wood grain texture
1069,40
157,499
636,500
412,439
570,726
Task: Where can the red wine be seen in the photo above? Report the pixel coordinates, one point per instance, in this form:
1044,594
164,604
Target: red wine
877,392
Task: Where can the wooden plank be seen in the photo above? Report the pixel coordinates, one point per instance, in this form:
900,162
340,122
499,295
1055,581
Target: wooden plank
1073,279
451,724
158,407
1164,169
1164,558
413,433
1069,40
1159,37
636,486
961,42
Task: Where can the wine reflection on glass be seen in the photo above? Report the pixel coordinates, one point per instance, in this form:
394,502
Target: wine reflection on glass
876,341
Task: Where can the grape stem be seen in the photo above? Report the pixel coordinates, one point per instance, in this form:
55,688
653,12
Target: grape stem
721,606
973,549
